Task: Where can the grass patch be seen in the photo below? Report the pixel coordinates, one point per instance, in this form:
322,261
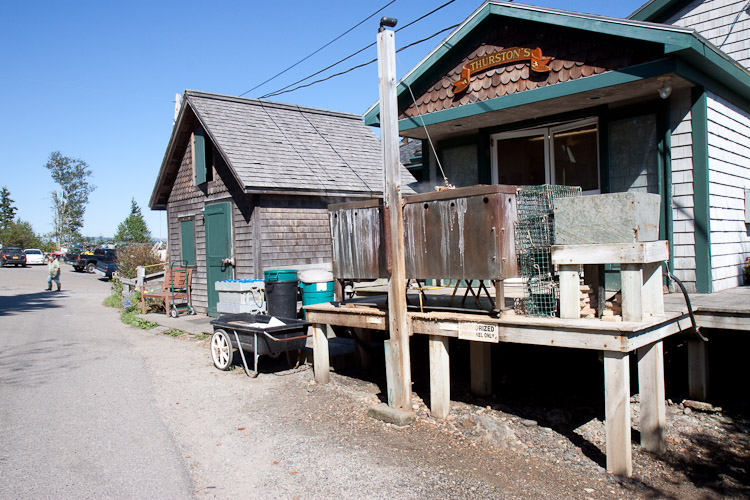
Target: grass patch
130,318
114,300
202,336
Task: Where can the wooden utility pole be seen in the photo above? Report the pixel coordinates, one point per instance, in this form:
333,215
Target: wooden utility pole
399,395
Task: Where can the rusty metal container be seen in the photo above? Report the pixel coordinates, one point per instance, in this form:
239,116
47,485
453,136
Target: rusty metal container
358,236
462,234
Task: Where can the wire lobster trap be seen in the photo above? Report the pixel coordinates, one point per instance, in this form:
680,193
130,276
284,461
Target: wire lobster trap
534,232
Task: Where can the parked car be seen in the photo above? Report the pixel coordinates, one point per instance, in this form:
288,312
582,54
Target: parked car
106,266
34,256
14,256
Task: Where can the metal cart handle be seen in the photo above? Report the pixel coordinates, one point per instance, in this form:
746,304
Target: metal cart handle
285,340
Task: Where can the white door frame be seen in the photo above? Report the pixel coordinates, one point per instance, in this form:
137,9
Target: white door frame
549,161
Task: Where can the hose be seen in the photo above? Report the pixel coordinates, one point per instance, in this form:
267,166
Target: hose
696,330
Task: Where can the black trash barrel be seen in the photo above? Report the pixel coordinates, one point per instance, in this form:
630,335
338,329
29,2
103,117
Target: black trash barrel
281,293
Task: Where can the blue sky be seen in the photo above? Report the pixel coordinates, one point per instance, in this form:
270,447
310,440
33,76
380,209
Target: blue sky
96,80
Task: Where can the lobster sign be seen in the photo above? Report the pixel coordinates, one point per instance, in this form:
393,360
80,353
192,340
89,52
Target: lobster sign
498,58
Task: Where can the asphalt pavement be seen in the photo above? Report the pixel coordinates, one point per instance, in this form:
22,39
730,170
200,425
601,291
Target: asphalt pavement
77,415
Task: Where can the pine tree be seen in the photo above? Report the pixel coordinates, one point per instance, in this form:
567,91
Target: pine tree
134,228
7,210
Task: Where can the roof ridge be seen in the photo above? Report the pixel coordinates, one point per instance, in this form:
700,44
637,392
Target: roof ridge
272,104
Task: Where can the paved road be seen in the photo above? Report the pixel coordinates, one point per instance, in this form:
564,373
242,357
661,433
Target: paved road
77,414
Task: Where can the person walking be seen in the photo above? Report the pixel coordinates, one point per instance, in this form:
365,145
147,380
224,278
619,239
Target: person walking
54,272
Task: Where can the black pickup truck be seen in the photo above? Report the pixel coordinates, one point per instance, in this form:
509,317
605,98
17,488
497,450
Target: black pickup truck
87,261
105,267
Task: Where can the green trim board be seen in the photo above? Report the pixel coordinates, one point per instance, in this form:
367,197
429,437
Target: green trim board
679,43
702,216
664,166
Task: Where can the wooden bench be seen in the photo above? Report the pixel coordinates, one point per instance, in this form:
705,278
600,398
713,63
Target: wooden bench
174,289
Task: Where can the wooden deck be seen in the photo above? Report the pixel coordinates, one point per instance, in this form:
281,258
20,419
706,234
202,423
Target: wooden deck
724,310
435,316
727,309
616,339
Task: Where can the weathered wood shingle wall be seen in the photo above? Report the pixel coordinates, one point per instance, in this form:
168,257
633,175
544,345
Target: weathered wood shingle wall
714,19
729,176
295,231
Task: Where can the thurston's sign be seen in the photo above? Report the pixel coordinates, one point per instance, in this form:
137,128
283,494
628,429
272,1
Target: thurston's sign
498,58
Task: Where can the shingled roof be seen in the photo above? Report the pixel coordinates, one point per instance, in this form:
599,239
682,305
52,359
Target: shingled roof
279,148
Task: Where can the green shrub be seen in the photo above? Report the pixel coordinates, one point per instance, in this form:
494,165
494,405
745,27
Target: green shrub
134,255
116,285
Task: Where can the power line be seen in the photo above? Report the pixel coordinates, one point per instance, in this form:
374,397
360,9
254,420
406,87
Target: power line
318,50
286,90
280,91
428,14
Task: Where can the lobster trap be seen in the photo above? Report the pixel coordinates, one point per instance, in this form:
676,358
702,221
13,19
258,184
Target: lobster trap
534,232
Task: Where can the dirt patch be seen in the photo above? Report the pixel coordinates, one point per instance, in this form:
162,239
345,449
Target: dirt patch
282,436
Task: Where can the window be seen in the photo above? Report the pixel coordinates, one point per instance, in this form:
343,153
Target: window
565,154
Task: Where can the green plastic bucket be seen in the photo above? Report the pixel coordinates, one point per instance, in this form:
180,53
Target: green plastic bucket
284,275
316,293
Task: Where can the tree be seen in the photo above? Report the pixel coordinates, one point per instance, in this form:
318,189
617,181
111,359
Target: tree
133,229
69,203
20,234
7,210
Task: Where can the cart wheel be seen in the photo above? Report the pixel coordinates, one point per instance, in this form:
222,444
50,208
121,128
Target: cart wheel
221,350
273,355
173,312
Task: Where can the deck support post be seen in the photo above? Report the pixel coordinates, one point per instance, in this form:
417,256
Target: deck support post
617,413
321,362
631,277
480,355
653,293
651,390
440,381
570,301
697,370
363,356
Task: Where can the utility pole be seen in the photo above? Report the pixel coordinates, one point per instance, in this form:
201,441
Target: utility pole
399,395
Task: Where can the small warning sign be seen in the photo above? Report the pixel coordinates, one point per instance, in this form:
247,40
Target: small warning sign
481,332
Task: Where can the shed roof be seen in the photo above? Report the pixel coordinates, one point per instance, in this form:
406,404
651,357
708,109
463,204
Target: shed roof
279,148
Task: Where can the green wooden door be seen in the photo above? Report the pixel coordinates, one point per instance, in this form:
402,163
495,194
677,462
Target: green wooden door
218,247
187,241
